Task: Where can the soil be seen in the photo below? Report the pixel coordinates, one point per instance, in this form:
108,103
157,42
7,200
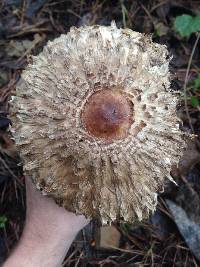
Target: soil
25,27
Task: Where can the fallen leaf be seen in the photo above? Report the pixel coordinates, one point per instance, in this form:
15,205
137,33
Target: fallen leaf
160,29
107,237
188,229
18,48
190,158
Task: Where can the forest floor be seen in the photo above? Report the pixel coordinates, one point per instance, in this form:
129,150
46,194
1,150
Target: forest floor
163,240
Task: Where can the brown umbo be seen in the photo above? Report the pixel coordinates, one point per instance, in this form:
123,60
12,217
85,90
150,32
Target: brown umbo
107,115
96,124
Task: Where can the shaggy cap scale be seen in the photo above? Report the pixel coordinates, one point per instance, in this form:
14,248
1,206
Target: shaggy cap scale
96,123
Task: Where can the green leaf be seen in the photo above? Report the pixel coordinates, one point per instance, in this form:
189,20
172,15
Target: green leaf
182,24
185,25
3,220
197,82
195,25
194,101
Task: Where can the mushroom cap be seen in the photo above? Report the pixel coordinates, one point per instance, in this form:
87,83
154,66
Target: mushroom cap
96,123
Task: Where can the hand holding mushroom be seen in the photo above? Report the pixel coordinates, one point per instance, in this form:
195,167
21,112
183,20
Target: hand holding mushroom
48,233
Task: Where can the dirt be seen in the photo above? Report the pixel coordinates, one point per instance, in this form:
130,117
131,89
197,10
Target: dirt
25,27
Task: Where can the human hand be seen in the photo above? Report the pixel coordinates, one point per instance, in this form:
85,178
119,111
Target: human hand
48,233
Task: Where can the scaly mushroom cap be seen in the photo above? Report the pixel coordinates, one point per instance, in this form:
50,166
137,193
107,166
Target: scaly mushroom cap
96,123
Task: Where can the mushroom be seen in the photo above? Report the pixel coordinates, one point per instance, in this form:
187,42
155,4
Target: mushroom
95,122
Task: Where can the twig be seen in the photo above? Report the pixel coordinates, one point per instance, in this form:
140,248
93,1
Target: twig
186,81
124,13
